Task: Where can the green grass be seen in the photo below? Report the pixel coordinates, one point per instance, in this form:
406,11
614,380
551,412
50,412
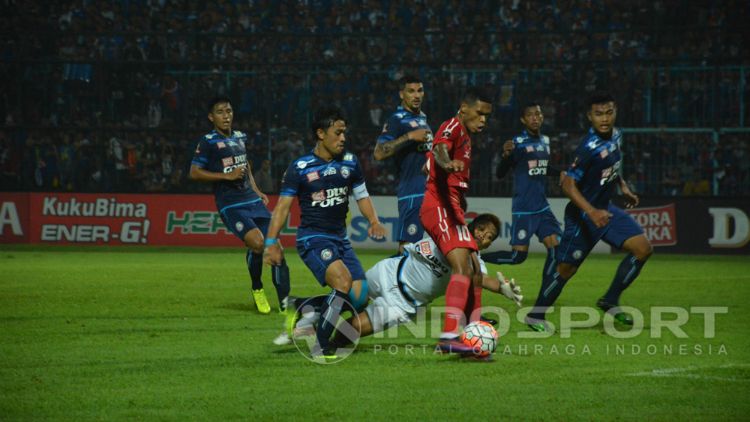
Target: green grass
171,334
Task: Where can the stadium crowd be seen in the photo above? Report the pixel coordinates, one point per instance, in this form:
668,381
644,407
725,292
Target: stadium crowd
109,96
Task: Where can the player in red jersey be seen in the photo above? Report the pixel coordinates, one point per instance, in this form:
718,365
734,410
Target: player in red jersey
442,213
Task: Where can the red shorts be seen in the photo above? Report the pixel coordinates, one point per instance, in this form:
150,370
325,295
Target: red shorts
441,225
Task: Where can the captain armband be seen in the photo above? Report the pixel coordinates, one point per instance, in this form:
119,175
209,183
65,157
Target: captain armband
360,192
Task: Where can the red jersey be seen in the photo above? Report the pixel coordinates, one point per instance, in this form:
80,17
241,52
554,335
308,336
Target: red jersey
453,134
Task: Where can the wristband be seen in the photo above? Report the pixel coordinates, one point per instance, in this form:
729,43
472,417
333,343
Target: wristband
270,241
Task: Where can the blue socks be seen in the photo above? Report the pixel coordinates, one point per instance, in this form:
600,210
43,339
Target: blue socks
255,267
280,278
628,270
552,285
329,317
505,257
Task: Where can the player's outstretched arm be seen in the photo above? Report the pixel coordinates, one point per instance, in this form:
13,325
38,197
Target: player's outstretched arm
203,175
272,252
501,285
599,217
506,161
376,230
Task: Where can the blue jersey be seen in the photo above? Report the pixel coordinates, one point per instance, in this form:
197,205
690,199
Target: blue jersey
412,156
323,189
219,154
596,167
529,159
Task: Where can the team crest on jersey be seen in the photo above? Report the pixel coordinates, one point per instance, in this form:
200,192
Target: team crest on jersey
345,172
312,176
239,226
521,234
228,161
412,229
540,147
220,145
319,195
424,248
330,171
326,254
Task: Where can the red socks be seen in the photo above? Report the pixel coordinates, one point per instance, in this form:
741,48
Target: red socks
456,298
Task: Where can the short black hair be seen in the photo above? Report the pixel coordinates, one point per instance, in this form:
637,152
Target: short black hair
218,100
474,94
528,105
325,118
484,219
600,97
408,79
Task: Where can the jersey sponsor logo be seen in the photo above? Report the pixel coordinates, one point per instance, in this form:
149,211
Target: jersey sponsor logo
329,171
345,172
609,174
330,197
348,156
312,176
538,167
220,145
326,254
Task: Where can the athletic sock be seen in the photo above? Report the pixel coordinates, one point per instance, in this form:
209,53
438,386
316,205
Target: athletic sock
475,304
513,257
329,317
280,278
552,285
456,297
255,268
628,270
550,264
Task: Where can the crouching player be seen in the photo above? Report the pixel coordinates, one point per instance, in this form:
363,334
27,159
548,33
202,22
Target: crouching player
397,286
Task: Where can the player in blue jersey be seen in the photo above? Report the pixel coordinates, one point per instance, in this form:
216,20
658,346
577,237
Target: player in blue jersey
322,181
528,155
406,137
220,158
590,182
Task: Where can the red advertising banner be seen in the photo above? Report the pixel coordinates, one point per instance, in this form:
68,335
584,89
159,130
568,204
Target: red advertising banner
14,217
659,223
120,219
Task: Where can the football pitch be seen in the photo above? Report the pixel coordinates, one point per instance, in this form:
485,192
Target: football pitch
171,334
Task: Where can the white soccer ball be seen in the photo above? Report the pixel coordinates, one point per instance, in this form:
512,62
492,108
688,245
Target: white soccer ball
481,336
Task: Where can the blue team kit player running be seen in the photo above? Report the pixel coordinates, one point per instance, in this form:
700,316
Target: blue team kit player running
322,181
221,158
589,183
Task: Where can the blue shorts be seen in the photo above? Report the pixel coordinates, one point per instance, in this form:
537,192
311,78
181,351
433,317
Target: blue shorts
581,235
541,224
319,251
241,218
409,228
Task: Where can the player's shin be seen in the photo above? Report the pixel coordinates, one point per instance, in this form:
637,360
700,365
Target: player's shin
329,316
280,278
627,271
255,268
456,298
550,263
552,285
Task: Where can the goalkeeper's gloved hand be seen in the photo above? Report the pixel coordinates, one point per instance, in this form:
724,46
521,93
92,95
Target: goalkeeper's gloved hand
510,289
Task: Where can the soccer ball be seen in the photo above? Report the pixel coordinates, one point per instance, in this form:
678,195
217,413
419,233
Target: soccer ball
481,336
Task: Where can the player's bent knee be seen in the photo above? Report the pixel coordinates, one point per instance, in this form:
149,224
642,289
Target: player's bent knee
566,271
254,240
